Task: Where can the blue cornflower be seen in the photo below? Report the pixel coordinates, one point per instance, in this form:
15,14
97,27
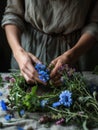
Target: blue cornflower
44,78
22,112
1,93
43,72
43,103
19,128
66,98
8,117
3,105
40,66
56,104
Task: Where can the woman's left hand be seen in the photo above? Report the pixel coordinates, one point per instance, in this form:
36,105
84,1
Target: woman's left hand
56,64
59,62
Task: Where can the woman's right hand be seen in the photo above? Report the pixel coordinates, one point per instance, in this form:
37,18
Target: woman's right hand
26,61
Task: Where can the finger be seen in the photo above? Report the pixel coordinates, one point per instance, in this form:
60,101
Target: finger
32,80
28,80
51,66
40,81
34,74
29,72
55,70
34,59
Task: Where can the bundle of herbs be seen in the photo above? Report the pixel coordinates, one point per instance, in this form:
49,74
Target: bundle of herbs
74,102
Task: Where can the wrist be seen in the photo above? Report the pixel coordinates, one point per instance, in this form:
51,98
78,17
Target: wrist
18,51
70,56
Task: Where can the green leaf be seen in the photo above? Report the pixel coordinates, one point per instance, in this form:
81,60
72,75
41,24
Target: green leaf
34,89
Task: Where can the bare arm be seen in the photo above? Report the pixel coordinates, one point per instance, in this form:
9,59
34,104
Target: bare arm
85,42
24,59
13,34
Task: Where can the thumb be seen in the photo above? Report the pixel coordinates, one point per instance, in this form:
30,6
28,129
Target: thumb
34,59
54,71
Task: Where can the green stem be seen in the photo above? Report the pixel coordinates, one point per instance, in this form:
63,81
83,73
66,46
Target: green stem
71,114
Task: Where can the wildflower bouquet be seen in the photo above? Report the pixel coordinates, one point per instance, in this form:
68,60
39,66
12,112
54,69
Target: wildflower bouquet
74,102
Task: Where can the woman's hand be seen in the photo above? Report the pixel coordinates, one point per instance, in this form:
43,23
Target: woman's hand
85,42
56,64
26,61
63,59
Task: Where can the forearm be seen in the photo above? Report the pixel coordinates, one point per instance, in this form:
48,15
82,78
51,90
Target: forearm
14,38
85,43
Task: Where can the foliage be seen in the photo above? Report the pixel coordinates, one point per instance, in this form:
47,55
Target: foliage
73,102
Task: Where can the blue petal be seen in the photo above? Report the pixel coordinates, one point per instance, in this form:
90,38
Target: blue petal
43,103
1,93
8,117
56,104
19,128
3,105
22,112
66,98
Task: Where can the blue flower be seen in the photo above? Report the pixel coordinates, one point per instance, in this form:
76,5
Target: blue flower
22,112
3,105
40,66
56,104
66,98
8,117
1,93
43,72
19,128
43,103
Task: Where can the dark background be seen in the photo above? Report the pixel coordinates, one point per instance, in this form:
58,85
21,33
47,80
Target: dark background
5,51
90,60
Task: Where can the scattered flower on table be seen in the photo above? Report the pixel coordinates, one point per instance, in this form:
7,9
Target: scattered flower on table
44,119
59,122
8,117
22,112
44,103
19,128
3,105
12,80
66,98
7,78
1,93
